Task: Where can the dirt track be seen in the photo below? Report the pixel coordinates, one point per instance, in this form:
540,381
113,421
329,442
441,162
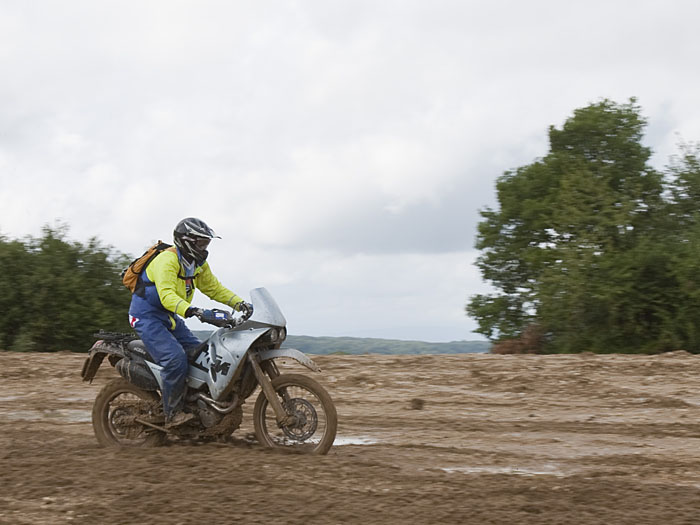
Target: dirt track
499,439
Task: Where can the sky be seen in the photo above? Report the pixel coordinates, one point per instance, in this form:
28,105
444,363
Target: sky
342,149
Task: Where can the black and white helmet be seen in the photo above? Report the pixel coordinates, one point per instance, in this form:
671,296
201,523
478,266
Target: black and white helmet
192,237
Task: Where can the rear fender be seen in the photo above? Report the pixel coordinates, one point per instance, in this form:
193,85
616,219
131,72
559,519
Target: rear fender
95,356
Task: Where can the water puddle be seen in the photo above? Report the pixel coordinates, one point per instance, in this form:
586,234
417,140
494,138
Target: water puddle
67,415
354,440
545,470
84,416
10,398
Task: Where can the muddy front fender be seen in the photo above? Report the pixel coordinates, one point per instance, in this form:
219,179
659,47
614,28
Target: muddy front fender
292,353
95,357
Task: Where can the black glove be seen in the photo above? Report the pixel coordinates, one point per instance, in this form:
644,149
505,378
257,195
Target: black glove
193,312
245,308
215,317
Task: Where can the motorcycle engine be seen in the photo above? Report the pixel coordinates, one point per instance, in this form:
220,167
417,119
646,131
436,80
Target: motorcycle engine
207,415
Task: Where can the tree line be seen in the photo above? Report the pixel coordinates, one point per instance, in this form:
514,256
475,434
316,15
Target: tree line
591,248
57,293
360,346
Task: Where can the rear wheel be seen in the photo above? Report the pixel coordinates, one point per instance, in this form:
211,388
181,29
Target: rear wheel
314,419
115,411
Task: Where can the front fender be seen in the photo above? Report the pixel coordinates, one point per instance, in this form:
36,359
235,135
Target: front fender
95,356
297,355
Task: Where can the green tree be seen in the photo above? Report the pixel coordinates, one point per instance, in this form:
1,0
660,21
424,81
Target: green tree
58,293
583,244
682,236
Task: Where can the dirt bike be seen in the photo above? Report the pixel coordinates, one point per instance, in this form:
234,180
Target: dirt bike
292,410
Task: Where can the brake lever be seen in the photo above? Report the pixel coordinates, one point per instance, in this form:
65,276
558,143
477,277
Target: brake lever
238,321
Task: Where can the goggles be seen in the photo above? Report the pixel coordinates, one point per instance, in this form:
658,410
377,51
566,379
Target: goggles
202,244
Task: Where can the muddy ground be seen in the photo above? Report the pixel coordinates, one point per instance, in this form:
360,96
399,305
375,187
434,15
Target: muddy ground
422,439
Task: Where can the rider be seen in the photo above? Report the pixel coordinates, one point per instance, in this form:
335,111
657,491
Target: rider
167,287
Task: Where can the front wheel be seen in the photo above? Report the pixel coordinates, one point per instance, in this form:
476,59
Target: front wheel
117,407
314,419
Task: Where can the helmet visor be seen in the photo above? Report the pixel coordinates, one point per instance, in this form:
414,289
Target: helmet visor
202,244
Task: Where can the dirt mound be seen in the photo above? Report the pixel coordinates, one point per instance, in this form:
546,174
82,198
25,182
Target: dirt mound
422,439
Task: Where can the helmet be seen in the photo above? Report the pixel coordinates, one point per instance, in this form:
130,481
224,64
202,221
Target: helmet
192,237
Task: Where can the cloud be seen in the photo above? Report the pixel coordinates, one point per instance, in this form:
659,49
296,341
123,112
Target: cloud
342,139
417,296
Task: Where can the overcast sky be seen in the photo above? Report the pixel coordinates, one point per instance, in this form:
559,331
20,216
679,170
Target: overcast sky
342,149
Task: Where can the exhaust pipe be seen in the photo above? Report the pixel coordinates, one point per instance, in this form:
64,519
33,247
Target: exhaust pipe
137,374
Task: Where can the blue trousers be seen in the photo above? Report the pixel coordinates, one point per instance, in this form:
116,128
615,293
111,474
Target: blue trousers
166,337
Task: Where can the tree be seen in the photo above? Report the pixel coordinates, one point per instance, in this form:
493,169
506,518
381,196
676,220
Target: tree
58,293
585,244
683,243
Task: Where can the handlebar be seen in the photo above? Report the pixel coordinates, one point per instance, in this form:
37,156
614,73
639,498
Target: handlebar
223,318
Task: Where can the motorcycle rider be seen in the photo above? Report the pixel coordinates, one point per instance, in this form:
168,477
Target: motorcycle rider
165,291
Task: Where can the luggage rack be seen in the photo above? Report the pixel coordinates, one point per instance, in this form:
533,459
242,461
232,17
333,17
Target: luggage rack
115,336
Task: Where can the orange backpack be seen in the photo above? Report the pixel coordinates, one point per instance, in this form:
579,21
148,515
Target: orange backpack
130,275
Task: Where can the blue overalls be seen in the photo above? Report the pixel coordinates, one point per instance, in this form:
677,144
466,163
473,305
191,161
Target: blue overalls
166,337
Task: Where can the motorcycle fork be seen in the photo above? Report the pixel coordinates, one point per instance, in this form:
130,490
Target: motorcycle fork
283,419
270,368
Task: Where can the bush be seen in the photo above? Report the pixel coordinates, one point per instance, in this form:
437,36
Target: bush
531,341
61,292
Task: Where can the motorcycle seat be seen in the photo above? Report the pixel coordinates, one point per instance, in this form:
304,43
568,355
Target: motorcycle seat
138,347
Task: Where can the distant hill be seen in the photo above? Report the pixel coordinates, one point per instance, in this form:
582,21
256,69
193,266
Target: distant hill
359,345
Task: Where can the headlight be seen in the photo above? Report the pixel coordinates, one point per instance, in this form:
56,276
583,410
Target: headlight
283,334
273,335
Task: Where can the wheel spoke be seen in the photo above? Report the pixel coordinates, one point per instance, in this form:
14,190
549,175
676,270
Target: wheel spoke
117,410
309,420
123,410
312,420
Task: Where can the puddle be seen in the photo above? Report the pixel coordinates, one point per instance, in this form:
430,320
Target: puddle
65,415
85,416
10,398
356,440
547,470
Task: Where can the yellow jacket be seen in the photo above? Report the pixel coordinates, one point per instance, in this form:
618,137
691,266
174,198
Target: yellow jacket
174,292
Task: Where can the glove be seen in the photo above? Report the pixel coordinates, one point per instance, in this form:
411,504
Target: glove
215,317
245,308
193,312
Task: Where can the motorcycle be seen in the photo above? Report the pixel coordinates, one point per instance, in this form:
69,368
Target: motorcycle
292,411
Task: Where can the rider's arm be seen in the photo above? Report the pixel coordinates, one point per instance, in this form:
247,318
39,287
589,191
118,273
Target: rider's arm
212,288
163,271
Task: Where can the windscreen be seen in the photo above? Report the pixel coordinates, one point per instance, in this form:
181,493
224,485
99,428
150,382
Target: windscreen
265,309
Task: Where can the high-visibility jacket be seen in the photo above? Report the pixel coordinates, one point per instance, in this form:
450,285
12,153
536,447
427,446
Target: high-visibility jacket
168,288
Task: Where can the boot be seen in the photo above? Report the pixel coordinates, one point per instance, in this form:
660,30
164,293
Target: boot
177,419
